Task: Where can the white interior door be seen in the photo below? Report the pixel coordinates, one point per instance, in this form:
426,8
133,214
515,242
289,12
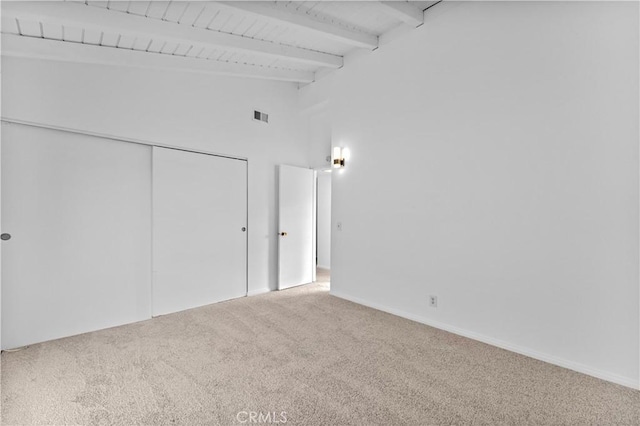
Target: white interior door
78,209
296,226
199,229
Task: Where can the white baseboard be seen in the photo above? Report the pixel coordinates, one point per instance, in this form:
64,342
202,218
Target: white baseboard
581,368
258,291
324,267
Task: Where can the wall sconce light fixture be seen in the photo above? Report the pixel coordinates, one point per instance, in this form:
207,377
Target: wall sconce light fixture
338,157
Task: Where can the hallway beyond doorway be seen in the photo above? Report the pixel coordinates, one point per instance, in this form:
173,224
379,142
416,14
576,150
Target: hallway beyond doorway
323,276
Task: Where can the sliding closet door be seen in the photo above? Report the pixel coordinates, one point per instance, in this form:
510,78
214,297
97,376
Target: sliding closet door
78,209
199,229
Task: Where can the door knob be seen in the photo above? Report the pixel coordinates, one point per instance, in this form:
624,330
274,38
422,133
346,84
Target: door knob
284,234
5,237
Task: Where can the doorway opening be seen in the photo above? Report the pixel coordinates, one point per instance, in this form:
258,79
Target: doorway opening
323,227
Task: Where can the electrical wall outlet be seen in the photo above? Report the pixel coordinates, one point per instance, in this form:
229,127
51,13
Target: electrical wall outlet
433,301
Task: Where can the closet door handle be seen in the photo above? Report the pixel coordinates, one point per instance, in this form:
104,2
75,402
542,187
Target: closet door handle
5,237
283,234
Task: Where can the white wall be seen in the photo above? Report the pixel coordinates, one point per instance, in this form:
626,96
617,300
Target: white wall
200,112
494,163
324,220
318,137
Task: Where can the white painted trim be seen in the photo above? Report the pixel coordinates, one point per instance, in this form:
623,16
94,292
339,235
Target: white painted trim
304,22
89,17
581,368
259,291
115,137
56,50
326,268
639,239
314,226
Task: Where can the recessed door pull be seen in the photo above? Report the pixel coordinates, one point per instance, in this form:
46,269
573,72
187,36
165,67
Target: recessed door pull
244,229
5,237
283,234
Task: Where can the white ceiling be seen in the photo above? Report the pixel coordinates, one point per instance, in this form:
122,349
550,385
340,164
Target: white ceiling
283,40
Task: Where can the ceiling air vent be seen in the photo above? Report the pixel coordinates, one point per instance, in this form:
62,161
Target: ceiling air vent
261,116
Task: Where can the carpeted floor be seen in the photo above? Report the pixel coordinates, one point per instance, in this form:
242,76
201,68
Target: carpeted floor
302,355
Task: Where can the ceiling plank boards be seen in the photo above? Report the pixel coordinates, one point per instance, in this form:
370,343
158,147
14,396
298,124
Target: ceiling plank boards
282,40
89,17
31,47
404,11
305,22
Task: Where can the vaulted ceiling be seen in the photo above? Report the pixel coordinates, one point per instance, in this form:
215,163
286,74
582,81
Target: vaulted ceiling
281,40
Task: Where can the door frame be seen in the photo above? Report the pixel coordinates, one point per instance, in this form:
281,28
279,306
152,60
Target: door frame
320,171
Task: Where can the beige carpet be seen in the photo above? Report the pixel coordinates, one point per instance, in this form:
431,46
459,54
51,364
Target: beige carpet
319,359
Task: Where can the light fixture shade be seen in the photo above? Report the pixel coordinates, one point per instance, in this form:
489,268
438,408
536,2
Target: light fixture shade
338,159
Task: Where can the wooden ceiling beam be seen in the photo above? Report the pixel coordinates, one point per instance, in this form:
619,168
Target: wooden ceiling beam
303,22
404,11
39,48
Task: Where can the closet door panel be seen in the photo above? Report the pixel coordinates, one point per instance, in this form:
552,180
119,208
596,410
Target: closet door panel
199,229
78,209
